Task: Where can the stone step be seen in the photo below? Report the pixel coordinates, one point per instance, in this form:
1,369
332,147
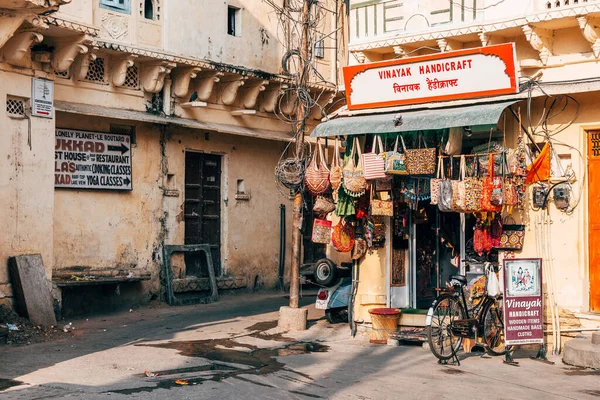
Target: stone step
583,352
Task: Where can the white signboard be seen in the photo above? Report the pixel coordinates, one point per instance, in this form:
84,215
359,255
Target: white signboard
470,73
92,160
42,98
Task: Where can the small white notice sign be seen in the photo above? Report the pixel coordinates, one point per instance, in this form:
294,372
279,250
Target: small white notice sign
42,98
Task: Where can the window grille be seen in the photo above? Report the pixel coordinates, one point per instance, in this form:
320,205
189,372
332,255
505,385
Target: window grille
96,72
15,108
64,75
319,46
132,78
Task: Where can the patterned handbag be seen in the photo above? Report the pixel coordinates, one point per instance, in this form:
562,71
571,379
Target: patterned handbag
380,207
458,189
342,237
434,183
445,193
321,232
395,162
421,161
512,237
492,189
473,191
316,178
323,206
335,173
354,182
372,163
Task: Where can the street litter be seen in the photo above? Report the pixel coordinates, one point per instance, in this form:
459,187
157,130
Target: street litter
68,327
149,374
12,327
182,382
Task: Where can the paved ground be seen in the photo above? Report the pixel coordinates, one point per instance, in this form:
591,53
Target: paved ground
229,350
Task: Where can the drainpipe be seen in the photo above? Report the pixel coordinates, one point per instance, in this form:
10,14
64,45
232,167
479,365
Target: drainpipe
281,245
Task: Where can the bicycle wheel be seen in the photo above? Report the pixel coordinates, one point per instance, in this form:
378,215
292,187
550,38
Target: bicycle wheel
444,311
493,329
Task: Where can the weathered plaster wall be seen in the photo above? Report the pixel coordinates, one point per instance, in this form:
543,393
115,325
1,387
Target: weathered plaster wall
26,181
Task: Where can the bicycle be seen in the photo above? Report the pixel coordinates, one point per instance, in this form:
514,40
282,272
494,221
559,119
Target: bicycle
449,320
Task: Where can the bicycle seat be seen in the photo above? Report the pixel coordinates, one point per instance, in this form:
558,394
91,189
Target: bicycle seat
459,278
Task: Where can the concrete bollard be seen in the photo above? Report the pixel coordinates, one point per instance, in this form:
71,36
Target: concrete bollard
292,319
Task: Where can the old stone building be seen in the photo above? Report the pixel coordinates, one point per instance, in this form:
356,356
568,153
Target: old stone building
167,121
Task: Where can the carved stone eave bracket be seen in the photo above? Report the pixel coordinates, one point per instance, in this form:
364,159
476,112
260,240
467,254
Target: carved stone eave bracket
206,83
590,28
322,100
449,45
36,6
119,68
271,97
16,48
181,80
288,102
66,53
153,76
540,40
9,23
81,65
231,87
488,40
360,56
400,51
251,92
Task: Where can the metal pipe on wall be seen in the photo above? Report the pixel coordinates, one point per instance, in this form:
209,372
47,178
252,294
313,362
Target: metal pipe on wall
282,232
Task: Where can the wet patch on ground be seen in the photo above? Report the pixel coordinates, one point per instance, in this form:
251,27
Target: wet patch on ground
8,383
231,359
451,371
591,392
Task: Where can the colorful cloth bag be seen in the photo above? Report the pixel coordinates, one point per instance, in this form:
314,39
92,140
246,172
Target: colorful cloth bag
458,189
342,237
373,164
316,177
421,161
491,199
445,193
395,162
473,191
321,232
434,183
354,182
512,237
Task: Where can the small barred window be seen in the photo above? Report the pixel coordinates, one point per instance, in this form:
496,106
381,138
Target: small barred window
15,108
63,75
132,79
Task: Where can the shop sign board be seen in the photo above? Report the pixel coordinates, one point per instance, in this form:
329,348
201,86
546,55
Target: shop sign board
523,311
92,160
42,98
462,74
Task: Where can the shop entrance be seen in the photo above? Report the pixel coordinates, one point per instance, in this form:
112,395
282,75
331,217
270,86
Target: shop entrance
594,217
202,211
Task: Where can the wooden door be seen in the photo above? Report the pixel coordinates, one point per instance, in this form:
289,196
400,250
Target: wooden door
202,210
594,217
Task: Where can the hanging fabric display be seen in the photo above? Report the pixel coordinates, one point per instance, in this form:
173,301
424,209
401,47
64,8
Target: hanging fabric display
458,189
473,190
381,207
492,189
345,204
342,237
434,183
496,230
321,232
421,161
353,181
335,174
373,164
539,170
316,177
445,193
395,162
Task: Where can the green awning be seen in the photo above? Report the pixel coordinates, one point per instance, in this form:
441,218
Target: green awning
417,120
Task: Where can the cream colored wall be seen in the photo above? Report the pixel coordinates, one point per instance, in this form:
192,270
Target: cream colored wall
26,181
112,229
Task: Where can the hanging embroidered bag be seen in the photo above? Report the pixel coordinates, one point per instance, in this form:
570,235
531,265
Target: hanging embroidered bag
434,183
323,206
512,237
445,194
421,161
492,189
335,174
473,190
342,237
372,163
354,182
321,232
458,189
395,162
380,207
316,178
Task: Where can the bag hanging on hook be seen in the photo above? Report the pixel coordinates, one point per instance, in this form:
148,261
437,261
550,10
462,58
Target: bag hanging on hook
316,177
